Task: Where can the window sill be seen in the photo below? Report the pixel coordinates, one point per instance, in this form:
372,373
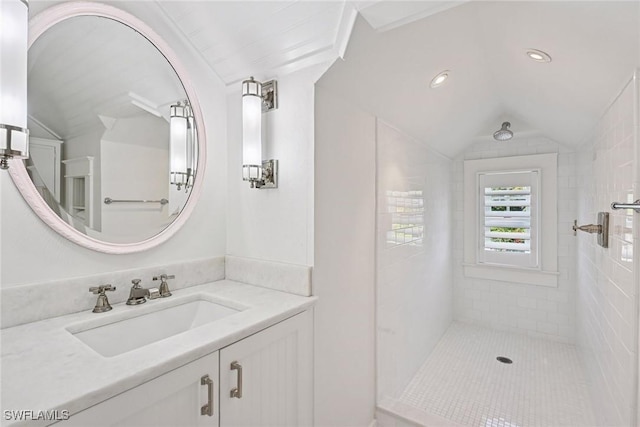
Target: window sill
511,274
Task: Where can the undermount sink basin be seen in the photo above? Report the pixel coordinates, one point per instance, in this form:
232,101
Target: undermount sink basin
123,335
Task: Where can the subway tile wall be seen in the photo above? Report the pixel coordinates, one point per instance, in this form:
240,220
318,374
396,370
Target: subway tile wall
608,278
537,311
413,256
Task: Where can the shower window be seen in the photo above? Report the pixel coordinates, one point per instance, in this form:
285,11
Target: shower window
508,214
407,218
510,219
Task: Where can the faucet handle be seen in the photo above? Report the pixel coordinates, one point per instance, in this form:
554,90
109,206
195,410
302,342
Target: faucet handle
136,283
164,286
101,289
164,277
102,304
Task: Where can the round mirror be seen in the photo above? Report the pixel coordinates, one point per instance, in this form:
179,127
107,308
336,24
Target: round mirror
116,137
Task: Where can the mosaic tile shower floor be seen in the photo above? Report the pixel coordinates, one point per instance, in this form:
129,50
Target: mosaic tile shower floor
463,382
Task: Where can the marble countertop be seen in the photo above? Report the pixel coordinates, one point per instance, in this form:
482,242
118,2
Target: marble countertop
44,367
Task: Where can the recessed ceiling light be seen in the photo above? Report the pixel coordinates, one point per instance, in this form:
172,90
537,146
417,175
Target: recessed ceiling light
538,55
439,79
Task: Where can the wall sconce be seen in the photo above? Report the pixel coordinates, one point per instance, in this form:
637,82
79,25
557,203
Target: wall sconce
14,135
257,98
182,145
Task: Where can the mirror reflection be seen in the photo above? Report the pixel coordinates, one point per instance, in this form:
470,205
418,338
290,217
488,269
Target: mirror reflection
113,141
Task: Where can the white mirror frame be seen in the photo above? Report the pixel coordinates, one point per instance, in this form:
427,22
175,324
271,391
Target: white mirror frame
38,25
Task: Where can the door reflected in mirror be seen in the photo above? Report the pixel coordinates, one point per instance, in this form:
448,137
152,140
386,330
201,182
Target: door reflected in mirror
109,119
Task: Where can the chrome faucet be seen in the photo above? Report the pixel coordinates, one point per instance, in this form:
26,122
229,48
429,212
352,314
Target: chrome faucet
164,286
137,293
102,304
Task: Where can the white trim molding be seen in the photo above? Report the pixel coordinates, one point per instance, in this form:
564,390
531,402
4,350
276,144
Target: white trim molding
546,271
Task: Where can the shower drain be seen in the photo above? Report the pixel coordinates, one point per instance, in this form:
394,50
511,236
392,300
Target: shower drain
503,359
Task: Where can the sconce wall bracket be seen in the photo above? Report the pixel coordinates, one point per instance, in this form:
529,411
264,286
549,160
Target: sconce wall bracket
14,144
269,96
268,174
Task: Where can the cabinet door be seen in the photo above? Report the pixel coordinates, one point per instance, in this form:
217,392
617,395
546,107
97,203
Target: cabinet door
173,399
266,379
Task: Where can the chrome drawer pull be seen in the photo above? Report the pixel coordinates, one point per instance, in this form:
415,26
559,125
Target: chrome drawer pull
208,408
237,392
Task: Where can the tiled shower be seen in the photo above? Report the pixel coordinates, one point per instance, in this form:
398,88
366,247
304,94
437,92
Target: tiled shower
413,255
574,346
545,312
607,280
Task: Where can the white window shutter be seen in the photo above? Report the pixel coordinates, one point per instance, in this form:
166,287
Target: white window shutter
508,212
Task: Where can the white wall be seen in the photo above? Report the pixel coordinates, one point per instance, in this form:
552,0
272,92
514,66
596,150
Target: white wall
535,310
275,224
608,278
414,289
134,172
32,252
344,262
134,159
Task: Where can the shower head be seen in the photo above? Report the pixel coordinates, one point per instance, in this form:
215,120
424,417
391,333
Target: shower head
504,134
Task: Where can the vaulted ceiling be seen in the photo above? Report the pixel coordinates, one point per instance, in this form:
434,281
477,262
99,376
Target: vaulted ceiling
267,38
594,45
75,89
392,49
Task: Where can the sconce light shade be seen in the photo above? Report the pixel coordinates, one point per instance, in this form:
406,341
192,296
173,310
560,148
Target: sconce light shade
181,144
14,136
260,173
251,130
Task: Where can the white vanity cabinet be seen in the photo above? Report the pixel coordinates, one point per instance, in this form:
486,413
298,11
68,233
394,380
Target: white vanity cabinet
266,379
172,400
272,386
